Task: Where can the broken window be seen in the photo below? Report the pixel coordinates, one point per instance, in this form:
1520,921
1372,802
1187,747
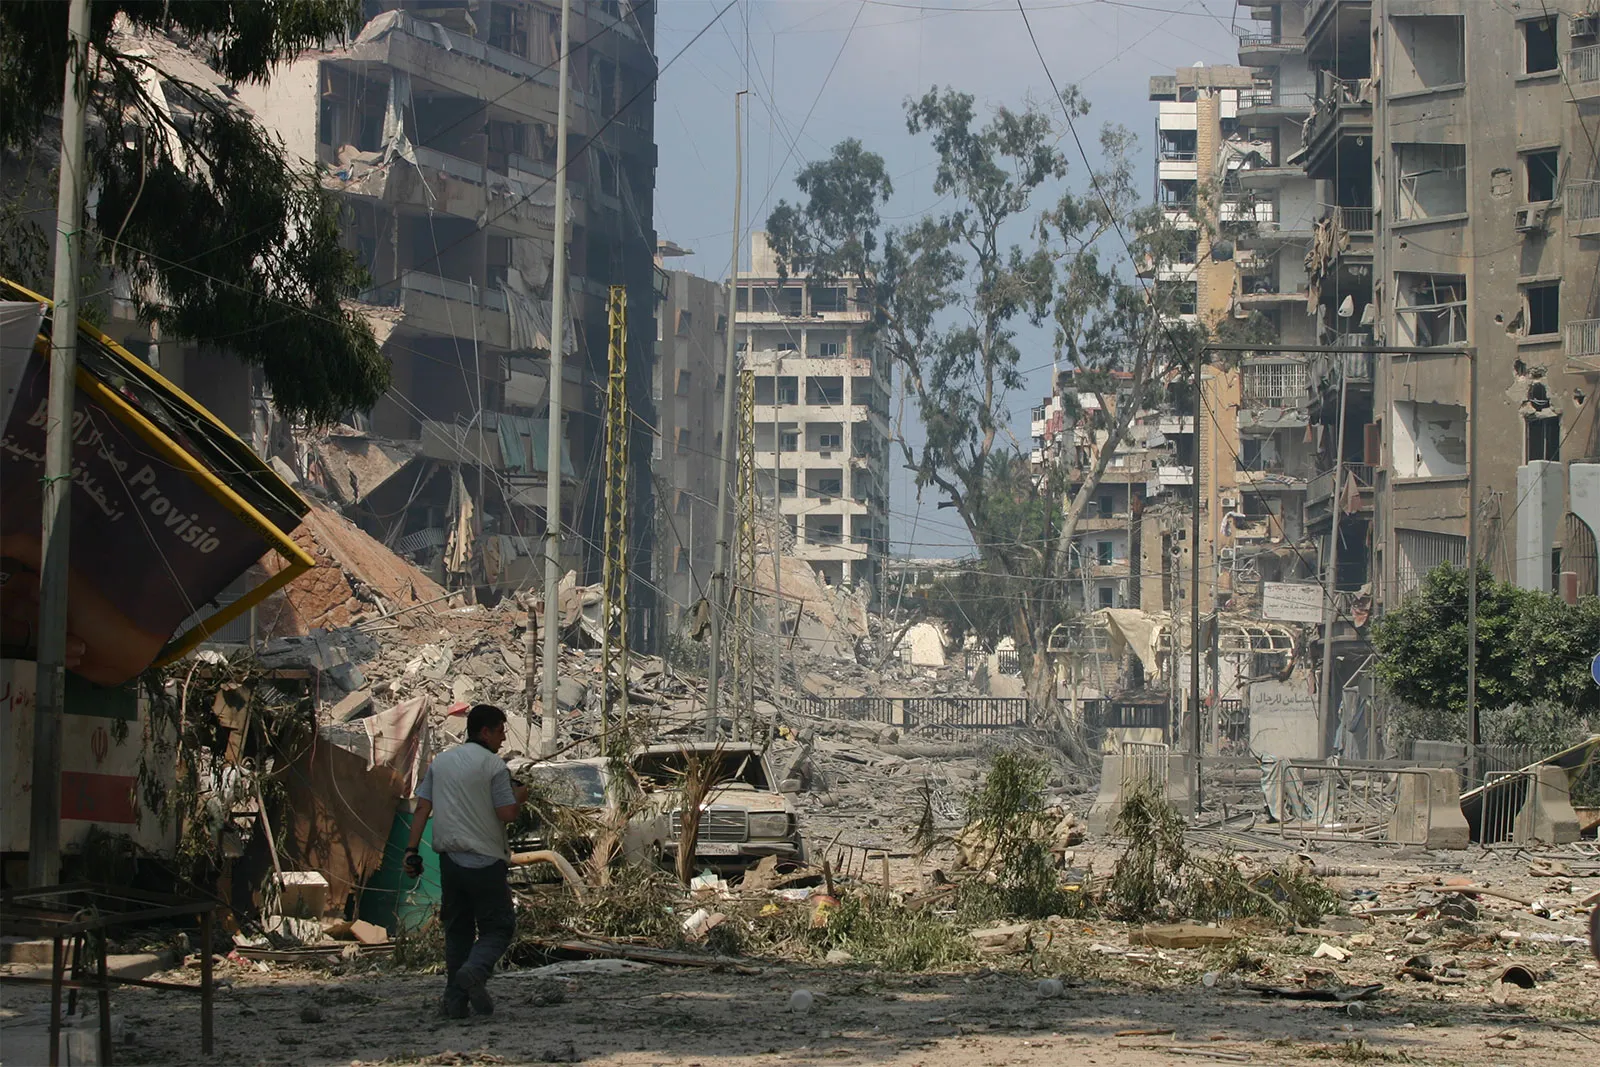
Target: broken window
829,442
683,440
1179,145
1275,385
1433,309
1107,505
1430,440
789,482
1539,46
682,563
1544,437
1432,180
1103,553
1542,171
1177,298
1432,53
789,440
1108,597
826,349
682,386
685,323
507,31
1544,308
829,298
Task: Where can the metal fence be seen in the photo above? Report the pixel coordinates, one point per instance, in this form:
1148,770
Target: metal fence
1509,807
1340,802
932,716
1144,764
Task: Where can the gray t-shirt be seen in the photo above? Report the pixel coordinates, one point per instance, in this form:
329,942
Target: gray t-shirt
469,788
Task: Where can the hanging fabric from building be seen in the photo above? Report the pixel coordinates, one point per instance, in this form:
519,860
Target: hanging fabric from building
458,550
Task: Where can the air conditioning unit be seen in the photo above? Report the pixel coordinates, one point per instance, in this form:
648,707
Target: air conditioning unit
1585,26
826,455
1225,554
1531,218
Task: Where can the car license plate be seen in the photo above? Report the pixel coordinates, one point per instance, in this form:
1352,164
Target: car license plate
716,848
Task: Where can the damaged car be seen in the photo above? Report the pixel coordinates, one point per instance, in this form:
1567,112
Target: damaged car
747,815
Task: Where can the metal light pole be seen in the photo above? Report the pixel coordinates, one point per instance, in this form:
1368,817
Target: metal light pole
44,814
1330,616
558,340
719,571
1473,738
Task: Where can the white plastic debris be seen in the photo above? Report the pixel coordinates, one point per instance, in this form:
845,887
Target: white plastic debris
1049,988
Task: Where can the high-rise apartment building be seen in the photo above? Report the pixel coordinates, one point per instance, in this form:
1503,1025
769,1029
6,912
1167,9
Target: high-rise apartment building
1225,136
1453,147
822,416
691,335
436,129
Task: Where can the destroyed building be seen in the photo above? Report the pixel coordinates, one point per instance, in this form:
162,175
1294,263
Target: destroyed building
822,416
435,128
687,386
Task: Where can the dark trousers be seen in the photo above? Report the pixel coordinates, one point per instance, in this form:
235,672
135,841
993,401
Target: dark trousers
475,910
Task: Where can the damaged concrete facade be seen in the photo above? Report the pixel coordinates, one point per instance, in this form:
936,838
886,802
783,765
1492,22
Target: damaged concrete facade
822,417
691,332
435,127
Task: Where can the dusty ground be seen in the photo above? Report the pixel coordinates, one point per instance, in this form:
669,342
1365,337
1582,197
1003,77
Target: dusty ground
1123,1004
694,1017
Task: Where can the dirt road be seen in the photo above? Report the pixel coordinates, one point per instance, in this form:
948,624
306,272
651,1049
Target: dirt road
697,1017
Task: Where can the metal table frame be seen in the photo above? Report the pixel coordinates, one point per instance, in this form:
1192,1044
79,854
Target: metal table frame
84,912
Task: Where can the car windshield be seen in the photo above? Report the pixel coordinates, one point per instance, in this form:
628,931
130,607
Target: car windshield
573,785
731,769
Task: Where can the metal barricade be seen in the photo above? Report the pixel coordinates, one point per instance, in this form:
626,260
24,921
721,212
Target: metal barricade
1344,802
1508,808
1144,764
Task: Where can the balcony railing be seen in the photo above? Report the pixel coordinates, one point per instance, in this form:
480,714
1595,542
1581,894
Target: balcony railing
1325,485
1354,219
1583,339
1296,101
1583,198
1269,40
1178,155
1583,64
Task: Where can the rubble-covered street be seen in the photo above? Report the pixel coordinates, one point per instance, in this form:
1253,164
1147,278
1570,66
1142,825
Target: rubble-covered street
1430,976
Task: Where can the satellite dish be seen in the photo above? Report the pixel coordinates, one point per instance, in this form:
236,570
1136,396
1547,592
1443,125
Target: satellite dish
1222,251
1368,316
1347,307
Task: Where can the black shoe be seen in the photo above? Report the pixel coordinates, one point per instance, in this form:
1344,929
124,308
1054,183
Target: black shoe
472,982
453,1005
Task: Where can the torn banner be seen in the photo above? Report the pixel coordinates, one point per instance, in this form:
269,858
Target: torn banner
168,508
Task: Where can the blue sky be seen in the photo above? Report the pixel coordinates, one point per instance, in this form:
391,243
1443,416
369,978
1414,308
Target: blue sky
879,52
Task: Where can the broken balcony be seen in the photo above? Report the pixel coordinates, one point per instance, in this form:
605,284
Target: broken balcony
456,63
1267,48
1343,112
1269,103
1349,492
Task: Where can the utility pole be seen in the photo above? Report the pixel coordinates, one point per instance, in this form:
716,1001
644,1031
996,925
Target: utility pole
1473,738
558,339
719,571
616,576
1194,582
44,816
1329,606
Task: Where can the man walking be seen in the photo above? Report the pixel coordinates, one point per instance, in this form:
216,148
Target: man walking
468,792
